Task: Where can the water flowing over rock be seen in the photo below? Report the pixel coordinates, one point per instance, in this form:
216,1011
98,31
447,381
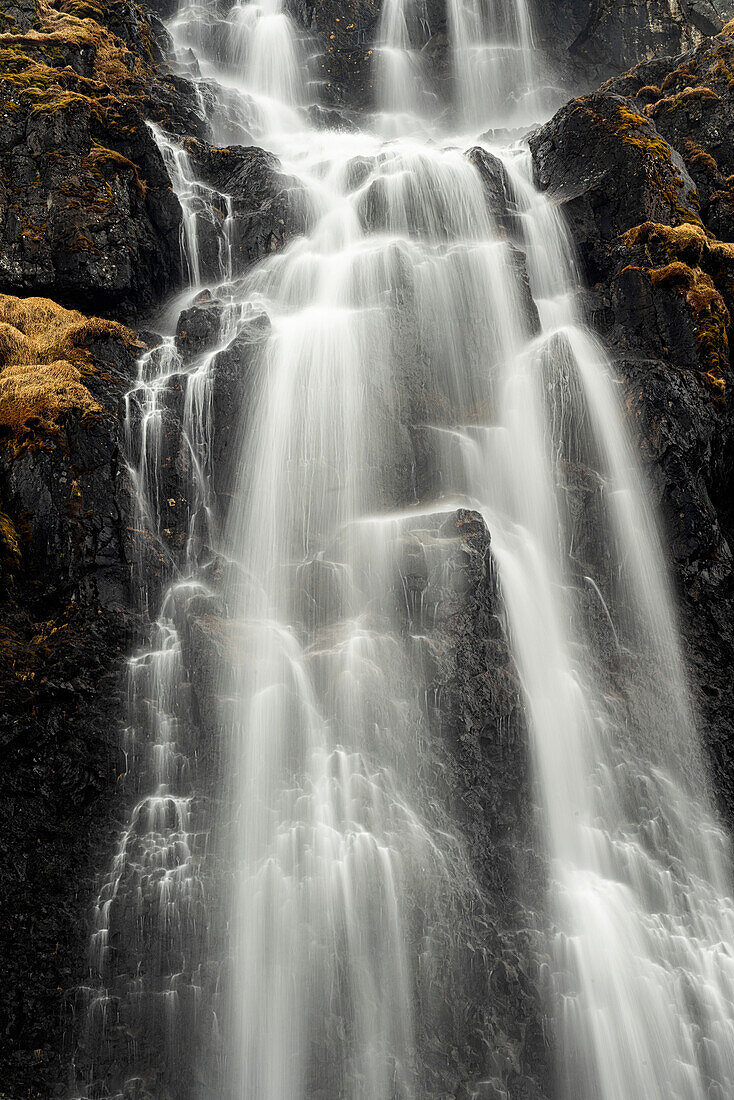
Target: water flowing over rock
337,608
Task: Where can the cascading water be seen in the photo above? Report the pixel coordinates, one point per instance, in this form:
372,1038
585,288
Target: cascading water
351,906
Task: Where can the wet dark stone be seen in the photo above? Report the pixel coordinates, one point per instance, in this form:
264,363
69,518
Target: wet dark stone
67,630
99,235
674,370
501,197
198,328
268,207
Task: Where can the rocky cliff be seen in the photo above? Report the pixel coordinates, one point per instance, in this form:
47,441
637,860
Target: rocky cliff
589,40
641,170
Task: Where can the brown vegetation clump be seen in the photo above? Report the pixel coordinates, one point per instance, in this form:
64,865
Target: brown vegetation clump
686,98
709,313
686,241
36,65
44,356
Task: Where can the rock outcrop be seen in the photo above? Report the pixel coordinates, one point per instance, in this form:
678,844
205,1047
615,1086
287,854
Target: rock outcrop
66,632
87,214
641,179
590,40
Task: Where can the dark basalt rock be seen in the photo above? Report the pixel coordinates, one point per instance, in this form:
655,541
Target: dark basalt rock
198,328
479,725
18,15
93,227
66,633
268,207
659,293
87,214
344,32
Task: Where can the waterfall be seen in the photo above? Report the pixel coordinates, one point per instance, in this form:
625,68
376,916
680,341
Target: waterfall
493,63
306,922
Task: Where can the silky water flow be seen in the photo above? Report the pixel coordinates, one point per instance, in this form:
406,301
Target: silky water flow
298,922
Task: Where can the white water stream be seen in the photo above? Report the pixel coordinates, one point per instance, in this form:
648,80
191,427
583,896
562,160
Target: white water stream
346,892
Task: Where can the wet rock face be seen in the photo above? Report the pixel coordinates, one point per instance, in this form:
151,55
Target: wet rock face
87,214
66,629
592,39
93,226
344,32
480,723
646,204
617,35
267,207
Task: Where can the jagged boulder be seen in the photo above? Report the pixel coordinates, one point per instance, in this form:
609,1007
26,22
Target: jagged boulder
606,165
268,207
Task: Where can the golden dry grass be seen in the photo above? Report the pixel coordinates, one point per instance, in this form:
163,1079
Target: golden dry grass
43,358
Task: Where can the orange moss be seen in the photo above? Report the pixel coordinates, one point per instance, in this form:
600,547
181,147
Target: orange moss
684,72
697,157
680,100
649,92
9,543
709,312
687,241
35,63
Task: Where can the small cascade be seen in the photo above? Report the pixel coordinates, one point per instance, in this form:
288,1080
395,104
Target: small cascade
253,64
206,216
403,80
265,52
494,63
152,984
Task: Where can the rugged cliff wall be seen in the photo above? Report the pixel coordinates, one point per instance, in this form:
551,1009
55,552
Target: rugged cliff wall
592,39
643,173
89,221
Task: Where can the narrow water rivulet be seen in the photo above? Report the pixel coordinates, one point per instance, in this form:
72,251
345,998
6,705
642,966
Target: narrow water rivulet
304,919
